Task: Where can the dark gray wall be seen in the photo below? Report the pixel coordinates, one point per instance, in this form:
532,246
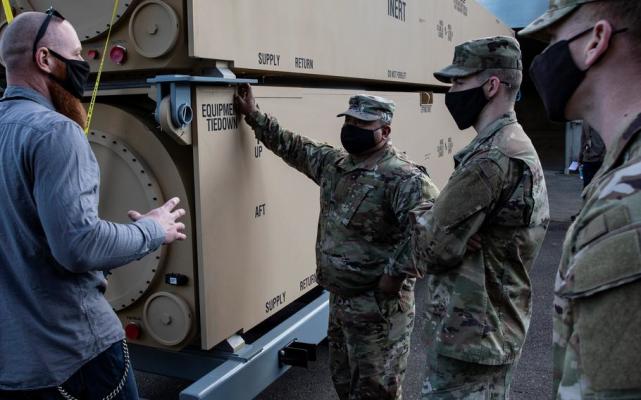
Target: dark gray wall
548,137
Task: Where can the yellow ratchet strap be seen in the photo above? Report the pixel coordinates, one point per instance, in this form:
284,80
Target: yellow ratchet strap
7,10
94,93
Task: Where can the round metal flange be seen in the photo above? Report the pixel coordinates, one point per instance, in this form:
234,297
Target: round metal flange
154,28
126,183
167,318
166,123
90,18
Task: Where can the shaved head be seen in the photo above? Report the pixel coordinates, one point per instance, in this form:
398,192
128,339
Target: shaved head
17,41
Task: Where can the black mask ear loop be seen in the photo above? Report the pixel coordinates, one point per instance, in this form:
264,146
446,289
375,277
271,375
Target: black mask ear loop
43,29
578,35
507,84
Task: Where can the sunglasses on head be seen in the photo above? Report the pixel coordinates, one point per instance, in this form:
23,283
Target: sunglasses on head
51,12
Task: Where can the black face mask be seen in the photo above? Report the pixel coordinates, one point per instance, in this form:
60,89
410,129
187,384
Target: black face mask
556,76
77,75
357,140
77,71
466,105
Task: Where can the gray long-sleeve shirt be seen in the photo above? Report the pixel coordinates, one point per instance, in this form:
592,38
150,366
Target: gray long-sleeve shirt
53,314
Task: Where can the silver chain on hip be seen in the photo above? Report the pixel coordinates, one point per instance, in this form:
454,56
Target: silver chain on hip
121,384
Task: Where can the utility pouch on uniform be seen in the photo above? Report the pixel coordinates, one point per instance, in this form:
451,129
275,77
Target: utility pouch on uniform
609,221
353,201
516,210
448,216
604,285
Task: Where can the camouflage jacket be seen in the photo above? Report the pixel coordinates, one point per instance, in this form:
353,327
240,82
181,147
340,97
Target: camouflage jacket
364,205
598,287
481,302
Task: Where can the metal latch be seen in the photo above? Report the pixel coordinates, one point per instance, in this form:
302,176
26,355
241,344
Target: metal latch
297,354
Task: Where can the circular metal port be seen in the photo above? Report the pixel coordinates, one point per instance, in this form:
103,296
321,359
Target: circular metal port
167,318
154,28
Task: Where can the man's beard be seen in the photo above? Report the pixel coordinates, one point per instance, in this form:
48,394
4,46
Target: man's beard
67,105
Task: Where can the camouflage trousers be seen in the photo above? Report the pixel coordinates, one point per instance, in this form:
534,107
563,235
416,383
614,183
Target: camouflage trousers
451,379
369,342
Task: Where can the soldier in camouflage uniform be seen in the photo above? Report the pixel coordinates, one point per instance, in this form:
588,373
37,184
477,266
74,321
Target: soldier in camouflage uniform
362,252
478,241
596,49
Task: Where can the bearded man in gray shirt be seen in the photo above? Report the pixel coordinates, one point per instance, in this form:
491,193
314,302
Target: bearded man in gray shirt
58,333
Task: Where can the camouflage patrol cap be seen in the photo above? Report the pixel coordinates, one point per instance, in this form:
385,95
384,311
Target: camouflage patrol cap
557,10
502,52
370,108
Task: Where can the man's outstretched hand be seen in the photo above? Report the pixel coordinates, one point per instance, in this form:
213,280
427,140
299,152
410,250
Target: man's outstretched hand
244,100
166,218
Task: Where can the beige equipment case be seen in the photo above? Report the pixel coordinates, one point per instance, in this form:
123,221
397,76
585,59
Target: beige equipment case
251,220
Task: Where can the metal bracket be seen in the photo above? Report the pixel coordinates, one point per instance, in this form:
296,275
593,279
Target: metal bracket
297,354
245,379
181,111
233,344
221,70
177,88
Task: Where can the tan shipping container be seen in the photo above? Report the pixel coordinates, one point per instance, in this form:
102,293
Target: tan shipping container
251,219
